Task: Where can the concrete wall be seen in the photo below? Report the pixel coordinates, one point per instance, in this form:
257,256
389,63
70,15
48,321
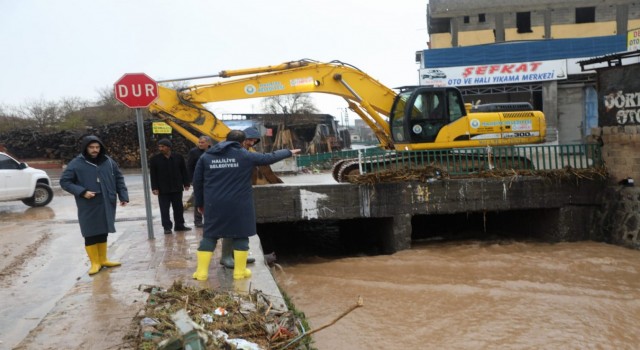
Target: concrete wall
389,207
549,20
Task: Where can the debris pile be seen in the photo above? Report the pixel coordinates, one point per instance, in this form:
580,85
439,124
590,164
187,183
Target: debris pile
430,174
183,317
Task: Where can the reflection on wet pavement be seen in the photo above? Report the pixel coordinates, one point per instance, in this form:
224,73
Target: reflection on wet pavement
15,213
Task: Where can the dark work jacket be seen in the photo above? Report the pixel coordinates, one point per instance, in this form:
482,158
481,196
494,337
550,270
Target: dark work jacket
168,175
102,176
192,159
222,184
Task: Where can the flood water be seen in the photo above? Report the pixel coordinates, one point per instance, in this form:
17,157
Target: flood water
473,295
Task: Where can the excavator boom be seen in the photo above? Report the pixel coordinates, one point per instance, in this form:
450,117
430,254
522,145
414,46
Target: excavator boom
304,76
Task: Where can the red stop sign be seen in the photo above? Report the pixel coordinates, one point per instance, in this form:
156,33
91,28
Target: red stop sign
136,90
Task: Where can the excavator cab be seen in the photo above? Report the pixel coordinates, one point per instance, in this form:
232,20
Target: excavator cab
419,113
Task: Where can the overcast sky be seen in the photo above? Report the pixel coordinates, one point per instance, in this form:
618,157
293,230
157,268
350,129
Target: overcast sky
73,48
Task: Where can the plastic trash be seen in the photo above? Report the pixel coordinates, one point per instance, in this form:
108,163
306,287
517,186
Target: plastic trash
148,321
240,344
152,335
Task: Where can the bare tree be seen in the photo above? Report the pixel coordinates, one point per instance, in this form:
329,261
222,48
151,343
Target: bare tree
289,104
108,109
9,119
72,104
45,114
73,110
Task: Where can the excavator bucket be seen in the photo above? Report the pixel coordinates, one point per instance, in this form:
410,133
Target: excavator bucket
264,175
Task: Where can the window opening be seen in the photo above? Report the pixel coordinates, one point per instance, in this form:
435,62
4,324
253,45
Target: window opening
523,22
585,15
427,116
455,106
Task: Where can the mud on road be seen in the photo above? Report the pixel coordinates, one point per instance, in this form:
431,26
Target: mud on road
41,257
50,302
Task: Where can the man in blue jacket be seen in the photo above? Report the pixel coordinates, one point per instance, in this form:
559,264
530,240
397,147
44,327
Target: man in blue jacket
223,193
95,180
252,138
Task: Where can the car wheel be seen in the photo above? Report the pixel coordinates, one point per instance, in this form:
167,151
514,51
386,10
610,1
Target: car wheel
42,196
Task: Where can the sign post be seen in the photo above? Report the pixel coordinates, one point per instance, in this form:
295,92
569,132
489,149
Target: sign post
137,90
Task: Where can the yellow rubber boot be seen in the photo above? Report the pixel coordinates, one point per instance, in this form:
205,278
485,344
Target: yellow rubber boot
94,257
202,270
102,250
240,269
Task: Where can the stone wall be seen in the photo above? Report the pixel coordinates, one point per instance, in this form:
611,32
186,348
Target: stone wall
618,219
620,146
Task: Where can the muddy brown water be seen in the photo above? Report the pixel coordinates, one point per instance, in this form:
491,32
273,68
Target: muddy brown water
473,295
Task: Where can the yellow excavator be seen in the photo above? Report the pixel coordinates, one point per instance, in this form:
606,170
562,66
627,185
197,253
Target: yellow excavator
413,118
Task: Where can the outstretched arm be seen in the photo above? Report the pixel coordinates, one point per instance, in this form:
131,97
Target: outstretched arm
270,158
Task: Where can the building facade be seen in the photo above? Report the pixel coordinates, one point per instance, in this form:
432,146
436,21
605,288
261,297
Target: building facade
528,51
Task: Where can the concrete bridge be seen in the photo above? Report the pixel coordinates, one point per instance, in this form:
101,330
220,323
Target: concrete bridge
390,214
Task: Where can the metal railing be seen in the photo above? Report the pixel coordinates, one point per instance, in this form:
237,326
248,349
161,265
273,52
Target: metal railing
470,160
331,157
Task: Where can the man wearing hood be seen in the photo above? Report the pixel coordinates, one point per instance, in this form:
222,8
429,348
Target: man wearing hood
96,183
223,177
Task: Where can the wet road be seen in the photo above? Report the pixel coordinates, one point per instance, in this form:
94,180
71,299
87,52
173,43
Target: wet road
49,301
43,257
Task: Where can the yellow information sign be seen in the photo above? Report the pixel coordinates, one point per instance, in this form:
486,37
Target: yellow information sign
161,128
633,40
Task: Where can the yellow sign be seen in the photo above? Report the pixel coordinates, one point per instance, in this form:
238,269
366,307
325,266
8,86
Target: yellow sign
633,40
161,128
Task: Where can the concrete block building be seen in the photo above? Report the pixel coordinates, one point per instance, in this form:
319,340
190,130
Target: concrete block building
528,51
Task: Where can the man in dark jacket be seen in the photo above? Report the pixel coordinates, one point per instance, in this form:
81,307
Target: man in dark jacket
96,182
252,138
223,192
169,178
204,142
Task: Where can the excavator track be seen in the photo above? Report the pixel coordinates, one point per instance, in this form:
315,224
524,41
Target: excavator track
345,168
450,163
335,169
348,168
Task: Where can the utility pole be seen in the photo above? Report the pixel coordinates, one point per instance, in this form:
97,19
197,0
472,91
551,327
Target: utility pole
344,117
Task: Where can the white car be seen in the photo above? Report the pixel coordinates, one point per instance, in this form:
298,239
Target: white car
18,181
434,74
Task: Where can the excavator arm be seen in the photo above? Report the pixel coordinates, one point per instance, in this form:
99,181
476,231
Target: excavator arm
415,118
371,100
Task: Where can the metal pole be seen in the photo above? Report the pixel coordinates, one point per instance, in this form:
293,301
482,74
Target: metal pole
145,171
